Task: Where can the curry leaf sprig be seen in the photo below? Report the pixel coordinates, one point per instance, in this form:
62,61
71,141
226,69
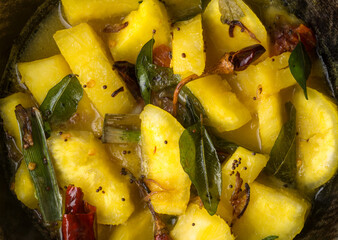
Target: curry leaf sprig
62,100
36,156
282,161
300,66
200,161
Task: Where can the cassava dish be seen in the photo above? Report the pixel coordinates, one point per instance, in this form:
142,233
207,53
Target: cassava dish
170,120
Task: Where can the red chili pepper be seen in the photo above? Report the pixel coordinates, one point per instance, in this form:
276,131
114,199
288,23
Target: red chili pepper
162,56
79,218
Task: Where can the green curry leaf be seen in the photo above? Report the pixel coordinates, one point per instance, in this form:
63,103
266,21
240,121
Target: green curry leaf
200,161
272,237
230,11
62,100
144,58
300,66
282,161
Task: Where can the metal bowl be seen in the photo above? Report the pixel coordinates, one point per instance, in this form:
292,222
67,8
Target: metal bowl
17,222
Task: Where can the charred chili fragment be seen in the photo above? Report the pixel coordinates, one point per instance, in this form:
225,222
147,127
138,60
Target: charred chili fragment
162,56
117,91
235,23
115,28
79,218
240,198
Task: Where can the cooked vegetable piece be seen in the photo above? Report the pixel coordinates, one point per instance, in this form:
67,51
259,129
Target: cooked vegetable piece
36,156
199,160
317,139
79,218
218,37
188,55
24,187
81,159
7,108
169,184
224,111
197,224
149,20
127,155
271,211
62,100
266,78
84,10
270,120
86,56
249,164
139,226
42,75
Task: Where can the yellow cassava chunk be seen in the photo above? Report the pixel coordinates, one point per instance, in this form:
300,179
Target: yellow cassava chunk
150,17
270,120
197,224
218,33
7,108
83,161
266,78
317,139
225,112
78,11
42,75
271,211
139,226
169,184
249,165
86,56
24,187
188,55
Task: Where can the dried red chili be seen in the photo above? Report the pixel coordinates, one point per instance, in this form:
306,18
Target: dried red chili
79,219
162,55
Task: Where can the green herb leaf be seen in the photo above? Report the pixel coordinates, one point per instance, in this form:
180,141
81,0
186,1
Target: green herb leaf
300,66
200,161
282,161
272,237
230,11
145,57
205,3
62,100
121,128
161,77
223,145
36,156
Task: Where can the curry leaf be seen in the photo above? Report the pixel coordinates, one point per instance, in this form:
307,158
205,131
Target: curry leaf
229,10
62,100
36,156
200,161
272,237
300,65
161,77
145,57
282,161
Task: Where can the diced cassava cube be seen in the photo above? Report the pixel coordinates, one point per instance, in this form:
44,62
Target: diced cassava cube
7,108
217,34
249,164
197,224
188,47
265,78
271,211
149,18
317,139
139,226
80,159
78,11
169,184
128,156
86,56
225,112
42,75
270,120
24,187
